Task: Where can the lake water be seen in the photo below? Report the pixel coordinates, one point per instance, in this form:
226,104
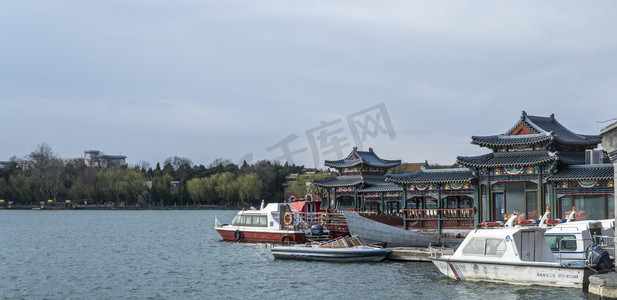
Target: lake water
178,255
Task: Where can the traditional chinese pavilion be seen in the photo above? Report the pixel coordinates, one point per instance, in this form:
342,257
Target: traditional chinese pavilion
440,198
527,169
361,185
588,187
537,163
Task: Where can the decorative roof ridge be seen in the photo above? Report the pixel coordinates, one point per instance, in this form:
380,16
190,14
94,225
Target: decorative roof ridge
370,151
533,125
523,119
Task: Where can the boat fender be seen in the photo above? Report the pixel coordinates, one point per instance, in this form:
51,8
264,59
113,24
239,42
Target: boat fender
289,219
285,239
237,235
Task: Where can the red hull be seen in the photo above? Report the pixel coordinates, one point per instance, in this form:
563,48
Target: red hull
261,237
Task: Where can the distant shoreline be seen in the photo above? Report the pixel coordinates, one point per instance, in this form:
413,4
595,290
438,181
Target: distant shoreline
94,207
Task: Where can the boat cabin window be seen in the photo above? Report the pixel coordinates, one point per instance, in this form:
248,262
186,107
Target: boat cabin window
567,242
253,221
484,246
475,247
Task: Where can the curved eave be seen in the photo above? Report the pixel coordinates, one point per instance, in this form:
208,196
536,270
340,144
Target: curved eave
506,159
342,164
353,163
570,158
338,182
432,177
589,142
584,172
553,179
382,189
465,180
510,141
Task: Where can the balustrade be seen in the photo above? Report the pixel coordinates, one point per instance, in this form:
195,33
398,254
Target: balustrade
449,217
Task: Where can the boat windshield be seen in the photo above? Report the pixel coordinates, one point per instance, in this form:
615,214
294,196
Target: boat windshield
567,242
484,246
251,220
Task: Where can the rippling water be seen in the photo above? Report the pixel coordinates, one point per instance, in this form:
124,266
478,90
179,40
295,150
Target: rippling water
178,255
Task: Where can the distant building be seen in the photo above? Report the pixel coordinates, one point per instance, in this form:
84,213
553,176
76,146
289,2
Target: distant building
3,164
71,161
95,158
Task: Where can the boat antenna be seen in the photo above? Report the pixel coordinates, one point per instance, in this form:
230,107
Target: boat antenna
510,222
262,205
571,215
545,217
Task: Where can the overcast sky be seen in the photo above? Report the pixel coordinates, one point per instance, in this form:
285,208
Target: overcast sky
233,79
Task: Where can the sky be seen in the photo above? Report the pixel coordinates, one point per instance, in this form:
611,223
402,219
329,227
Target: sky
302,81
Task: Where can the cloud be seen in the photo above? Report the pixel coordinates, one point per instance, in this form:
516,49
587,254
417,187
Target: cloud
222,79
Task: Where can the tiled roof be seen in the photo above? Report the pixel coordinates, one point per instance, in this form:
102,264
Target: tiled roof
362,157
613,156
456,175
507,159
584,172
563,134
511,140
339,181
382,187
545,128
571,158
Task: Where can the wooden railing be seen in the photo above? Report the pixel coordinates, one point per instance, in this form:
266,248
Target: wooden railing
329,218
448,217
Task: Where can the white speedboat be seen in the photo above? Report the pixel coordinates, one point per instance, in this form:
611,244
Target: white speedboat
343,249
571,240
510,254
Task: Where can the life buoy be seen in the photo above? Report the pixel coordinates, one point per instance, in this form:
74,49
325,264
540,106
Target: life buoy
237,235
289,218
323,218
286,239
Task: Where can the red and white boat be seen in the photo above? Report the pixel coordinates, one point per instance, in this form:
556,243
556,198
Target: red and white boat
273,223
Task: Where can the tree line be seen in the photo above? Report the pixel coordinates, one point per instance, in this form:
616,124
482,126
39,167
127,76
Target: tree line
42,176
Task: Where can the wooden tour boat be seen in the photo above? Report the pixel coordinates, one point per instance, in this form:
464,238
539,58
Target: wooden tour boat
374,232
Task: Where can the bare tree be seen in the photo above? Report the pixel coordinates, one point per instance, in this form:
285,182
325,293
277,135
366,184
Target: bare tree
46,170
220,162
178,162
